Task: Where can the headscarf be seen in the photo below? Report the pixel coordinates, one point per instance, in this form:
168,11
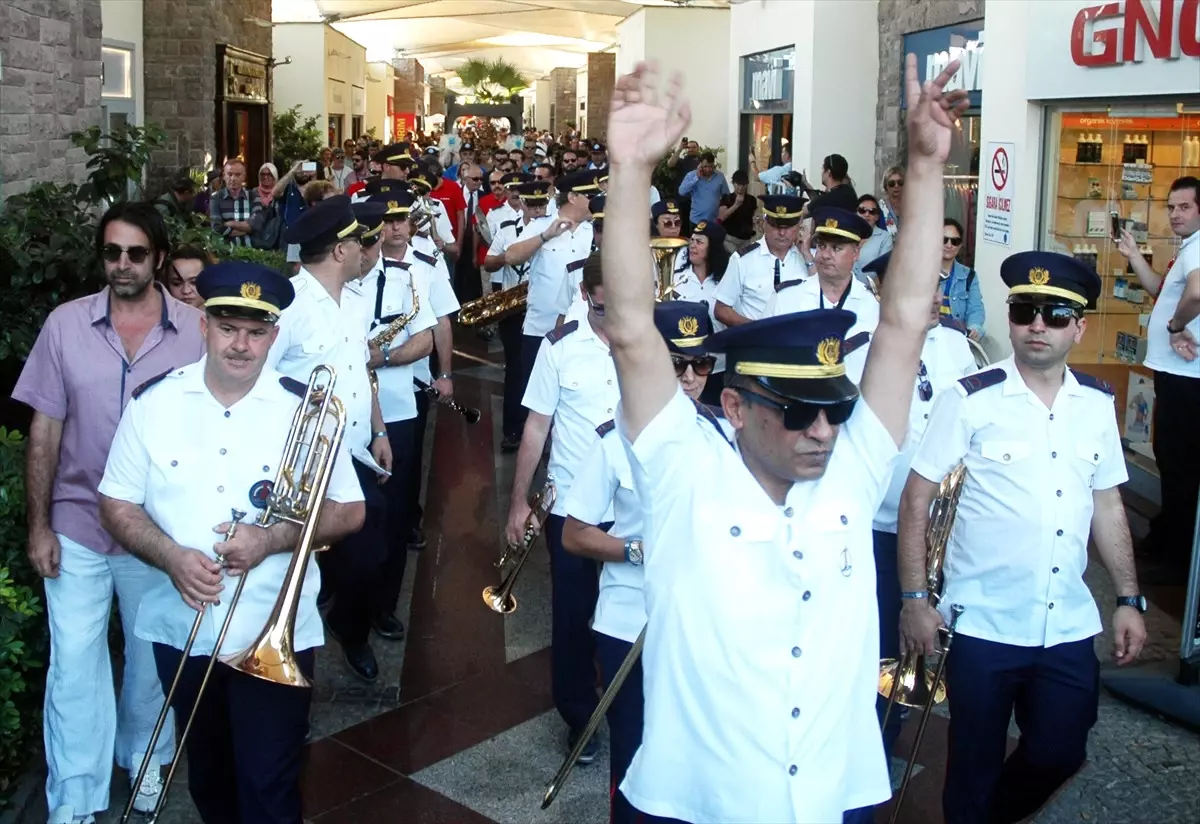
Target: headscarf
265,195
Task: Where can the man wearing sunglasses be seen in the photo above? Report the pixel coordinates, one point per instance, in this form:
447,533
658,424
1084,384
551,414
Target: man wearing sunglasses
757,708
605,484
1044,463
838,235
757,270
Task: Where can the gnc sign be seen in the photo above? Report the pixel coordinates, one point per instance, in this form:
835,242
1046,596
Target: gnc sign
1135,30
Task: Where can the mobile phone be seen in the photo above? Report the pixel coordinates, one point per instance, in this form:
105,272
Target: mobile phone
308,166
1115,220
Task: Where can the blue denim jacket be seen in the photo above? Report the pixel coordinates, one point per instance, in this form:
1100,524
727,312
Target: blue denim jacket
966,305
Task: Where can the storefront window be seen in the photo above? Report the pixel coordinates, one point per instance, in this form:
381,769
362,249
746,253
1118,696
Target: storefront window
766,106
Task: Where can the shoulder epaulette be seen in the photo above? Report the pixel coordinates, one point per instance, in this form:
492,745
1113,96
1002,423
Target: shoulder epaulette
504,224
982,380
950,322
555,335
606,427
1092,382
424,258
294,386
856,341
141,388
783,284
745,250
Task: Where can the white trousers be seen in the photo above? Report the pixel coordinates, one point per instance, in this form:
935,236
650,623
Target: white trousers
84,726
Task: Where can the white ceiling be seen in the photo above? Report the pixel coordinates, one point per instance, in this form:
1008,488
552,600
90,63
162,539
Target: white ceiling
534,35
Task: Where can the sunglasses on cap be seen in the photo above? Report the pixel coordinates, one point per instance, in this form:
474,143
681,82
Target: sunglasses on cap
1054,315
800,415
701,366
953,241
111,253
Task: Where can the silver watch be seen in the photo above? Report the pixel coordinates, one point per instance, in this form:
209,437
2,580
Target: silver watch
633,551
386,349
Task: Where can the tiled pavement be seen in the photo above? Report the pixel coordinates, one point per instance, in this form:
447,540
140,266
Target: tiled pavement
468,735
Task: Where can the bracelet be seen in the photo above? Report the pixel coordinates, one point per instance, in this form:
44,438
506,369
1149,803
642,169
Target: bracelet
445,376
1174,331
380,434
542,237
914,596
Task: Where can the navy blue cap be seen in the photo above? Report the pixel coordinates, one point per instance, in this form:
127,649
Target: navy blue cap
324,223
1049,277
666,206
421,181
597,146
831,220
783,209
467,146
431,150
534,192
583,182
393,153
596,207
384,185
513,178
878,266
369,214
395,204
712,230
238,289
684,325
797,356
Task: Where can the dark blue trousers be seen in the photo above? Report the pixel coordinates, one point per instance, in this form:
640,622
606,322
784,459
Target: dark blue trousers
512,340
575,584
1054,692
625,719
415,475
887,594
354,564
386,591
244,749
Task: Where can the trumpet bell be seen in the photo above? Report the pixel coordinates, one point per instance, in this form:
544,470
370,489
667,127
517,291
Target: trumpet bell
503,604
916,680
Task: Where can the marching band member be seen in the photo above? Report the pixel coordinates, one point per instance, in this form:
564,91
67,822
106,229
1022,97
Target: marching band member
441,232
169,498
573,386
327,324
570,297
370,217
705,265
759,268
838,235
394,165
532,222
605,483
754,709
1044,462
390,289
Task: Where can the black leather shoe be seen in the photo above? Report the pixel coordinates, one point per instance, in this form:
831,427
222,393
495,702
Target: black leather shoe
417,539
389,627
361,661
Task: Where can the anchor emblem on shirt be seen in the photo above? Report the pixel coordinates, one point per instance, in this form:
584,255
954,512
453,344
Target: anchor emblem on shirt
847,567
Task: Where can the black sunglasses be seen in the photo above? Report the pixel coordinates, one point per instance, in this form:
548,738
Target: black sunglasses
475,178
702,366
1054,316
924,387
111,253
895,183
865,211
953,241
800,415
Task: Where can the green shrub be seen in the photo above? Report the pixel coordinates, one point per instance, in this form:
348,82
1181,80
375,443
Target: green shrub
23,636
193,230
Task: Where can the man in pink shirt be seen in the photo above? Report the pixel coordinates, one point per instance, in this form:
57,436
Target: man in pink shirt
89,358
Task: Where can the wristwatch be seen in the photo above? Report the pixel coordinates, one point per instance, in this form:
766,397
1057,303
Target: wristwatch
919,595
1138,602
386,349
445,376
380,434
1173,331
633,551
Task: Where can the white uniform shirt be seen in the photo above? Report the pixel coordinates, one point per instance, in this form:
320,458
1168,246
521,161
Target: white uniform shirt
1159,354
317,330
188,485
749,282
434,280
501,214
547,273
388,289
691,288
606,479
511,233
574,380
945,357
760,700
807,295
1017,564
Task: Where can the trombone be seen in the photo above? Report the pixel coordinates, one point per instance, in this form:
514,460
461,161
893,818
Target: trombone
297,497
500,598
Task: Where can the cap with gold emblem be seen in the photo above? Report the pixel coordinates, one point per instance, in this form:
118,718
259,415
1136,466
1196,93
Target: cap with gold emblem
369,213
323,224
421,182
839,223
235,289
797,356
684,325
596,207
582,182
385,185
783,210
395,206
666,206
534,192
1049,277
710,229
513,178
397,154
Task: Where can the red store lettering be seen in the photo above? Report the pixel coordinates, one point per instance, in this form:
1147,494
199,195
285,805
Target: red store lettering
1109,36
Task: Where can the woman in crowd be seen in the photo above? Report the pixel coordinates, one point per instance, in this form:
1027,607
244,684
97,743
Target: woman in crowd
961,296
893,187
879,243
184,265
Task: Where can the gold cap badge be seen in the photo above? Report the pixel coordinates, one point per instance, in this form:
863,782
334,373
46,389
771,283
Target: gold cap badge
393,205
781,210
829,351
688,326
1039,276
701,226
831,223
251,291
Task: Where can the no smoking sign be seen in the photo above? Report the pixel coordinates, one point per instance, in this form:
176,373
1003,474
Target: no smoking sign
998,194
1000,168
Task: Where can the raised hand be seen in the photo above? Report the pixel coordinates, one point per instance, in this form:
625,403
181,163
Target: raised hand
645,122
933,119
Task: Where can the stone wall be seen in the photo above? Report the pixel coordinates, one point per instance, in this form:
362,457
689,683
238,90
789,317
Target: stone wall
562,92
602,77
896,19
181,38
410,86
50,88
437,96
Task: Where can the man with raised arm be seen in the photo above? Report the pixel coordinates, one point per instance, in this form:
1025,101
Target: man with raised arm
761,652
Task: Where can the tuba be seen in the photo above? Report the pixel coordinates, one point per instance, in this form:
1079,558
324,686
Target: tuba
663,249
297,496
500,598
495,306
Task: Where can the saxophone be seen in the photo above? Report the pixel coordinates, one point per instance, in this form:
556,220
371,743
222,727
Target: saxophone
387,334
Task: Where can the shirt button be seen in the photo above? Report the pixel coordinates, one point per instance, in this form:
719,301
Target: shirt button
610,383
174,463
1051,416
220,489
1055,570
788,512
797,554
1058,492
1059,533
807,595
926,417
1006,456
845,520
795,712
222,450
792,770
795,652
266,468
735,531
1096,456
227,413
1051,605
1053,454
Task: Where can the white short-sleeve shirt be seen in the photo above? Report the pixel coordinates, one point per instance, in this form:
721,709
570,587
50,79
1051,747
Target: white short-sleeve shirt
760,701
1017,565
189,485
510,233
806,295
433,278
390,288
1159,354
749,281
549,269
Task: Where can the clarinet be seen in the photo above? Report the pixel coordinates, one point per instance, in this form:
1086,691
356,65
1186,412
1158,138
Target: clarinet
470,415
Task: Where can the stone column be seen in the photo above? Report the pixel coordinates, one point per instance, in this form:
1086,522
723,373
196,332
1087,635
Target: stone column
602,77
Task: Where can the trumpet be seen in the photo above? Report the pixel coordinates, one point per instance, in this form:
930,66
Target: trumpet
494,307
663,249
297,497
424,216
500,598
388,333
470,415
